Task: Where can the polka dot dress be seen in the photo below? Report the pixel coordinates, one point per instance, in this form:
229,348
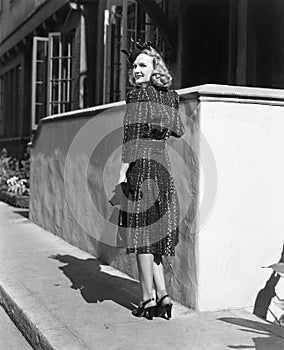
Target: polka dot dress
152,116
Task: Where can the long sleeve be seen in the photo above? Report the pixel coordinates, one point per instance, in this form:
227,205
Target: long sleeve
128,146
177,129
136,110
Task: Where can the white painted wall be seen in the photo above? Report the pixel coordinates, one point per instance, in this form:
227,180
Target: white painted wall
76,159
246,228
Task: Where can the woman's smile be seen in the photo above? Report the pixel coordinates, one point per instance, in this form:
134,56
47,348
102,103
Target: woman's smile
143,69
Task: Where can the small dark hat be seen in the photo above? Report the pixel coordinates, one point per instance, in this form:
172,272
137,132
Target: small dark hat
139,47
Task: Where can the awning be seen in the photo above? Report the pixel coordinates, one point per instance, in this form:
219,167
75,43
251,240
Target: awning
31,23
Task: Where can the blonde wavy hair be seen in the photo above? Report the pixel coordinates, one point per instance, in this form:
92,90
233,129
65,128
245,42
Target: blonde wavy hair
161,76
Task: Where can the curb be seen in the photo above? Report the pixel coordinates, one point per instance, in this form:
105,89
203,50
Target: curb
33,319
29,330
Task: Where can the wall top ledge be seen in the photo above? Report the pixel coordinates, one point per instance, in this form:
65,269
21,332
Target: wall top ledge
223,92
72,115
207,92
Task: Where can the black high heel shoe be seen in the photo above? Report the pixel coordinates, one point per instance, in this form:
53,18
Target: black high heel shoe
165,310
147,312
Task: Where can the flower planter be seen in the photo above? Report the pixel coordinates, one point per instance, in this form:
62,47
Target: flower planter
15,200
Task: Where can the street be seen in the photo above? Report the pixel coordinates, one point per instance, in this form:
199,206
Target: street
10,337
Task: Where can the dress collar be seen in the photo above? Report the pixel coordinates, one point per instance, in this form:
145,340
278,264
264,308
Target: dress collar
156,87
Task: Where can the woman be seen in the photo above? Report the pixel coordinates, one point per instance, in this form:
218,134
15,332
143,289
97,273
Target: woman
152,116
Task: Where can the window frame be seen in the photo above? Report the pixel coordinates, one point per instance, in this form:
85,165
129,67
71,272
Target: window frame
66,83
60,103
36,39
131,25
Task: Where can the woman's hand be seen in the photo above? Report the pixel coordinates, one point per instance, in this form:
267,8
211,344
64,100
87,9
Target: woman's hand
122,178
122,173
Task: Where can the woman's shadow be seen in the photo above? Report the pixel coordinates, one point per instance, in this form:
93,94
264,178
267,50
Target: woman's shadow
96,285
266,294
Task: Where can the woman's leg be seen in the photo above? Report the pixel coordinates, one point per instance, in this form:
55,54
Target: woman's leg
159,280
164,303
145,269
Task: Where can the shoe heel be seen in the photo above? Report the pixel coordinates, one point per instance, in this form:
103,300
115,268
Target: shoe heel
168,309
150,312
142,311
158,311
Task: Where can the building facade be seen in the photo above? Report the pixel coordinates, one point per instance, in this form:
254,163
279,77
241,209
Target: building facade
61,55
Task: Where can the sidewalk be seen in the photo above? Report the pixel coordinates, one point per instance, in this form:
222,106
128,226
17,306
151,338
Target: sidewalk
63,298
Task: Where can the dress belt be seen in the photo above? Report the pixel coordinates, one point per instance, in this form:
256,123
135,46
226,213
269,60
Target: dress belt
150,144
149,139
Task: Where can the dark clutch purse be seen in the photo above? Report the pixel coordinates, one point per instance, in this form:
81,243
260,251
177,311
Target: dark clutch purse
122,192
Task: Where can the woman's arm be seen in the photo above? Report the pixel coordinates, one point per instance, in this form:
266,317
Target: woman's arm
177,128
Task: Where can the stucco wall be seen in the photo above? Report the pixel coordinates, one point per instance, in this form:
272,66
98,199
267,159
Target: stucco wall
228,173
75,166
245,229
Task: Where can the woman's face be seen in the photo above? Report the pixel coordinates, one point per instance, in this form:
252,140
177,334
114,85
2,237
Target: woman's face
143,69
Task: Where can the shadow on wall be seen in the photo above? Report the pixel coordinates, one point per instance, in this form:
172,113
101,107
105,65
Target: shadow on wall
95,285
266,294
268,338
271,335
108,254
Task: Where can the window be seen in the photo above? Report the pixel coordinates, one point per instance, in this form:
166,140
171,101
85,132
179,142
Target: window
60,73
123,21
39,80
10,101
120,26
52,75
